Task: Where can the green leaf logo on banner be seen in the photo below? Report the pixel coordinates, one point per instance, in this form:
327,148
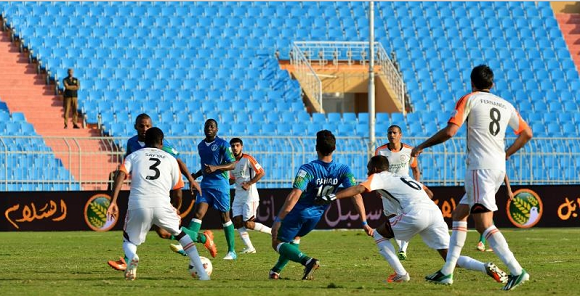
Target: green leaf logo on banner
96,213
525,209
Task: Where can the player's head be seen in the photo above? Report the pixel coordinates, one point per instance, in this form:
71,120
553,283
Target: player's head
210,128
154,137
481,78
142,124
237,145
394,134
377,164
325,142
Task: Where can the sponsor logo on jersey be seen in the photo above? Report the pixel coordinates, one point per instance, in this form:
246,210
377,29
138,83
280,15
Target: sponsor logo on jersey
96,213
214,147
525,209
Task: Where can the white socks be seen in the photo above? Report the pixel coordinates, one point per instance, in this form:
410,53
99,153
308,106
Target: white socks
471,264
245,236
262,228
500,246
189,248
402,245
130,250
458,236
387,250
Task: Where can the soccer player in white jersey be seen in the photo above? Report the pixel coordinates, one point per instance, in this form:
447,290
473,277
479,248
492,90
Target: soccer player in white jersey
487,117
416,214
400,160
245,175
154,173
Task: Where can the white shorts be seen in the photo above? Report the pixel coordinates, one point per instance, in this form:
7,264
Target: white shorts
481,187
138,222
244,208
427,222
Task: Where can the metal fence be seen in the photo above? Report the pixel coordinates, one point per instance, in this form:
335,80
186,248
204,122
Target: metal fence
56,163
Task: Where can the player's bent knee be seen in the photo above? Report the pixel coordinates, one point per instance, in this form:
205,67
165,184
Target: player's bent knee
249,224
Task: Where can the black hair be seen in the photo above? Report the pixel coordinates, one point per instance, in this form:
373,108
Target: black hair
236,140
153,136
141,117
395,126
380,162
482,77
325,142
210,120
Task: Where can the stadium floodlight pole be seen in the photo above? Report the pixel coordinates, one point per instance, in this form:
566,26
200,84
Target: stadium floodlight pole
371,93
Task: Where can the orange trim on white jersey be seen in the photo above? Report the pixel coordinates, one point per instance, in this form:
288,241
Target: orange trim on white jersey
179,185
367,184
458,117
255,165
522,125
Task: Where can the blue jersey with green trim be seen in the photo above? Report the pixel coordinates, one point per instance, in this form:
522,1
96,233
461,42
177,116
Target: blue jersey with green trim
217,152
319,178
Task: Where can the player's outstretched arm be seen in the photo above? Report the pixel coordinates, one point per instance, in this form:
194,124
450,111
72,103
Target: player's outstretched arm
441,136
360,207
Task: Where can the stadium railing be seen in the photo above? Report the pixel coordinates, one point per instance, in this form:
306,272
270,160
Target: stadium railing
86,163
306,53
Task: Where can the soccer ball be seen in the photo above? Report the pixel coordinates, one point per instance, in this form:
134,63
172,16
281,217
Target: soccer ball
206,265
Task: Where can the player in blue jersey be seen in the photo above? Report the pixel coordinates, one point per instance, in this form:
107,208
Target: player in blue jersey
142,124
300,212
216,159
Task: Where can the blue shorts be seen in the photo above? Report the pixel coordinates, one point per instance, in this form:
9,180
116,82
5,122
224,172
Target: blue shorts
218,199
297,224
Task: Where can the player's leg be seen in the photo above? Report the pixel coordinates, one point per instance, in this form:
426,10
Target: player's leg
238,219
296,225
382,235
221,202
138,223
168,219
251,223
402,249
282,261
436,236
457,240
491,180
500,246
229,232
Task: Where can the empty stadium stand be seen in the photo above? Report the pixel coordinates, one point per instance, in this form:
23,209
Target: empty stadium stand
185,62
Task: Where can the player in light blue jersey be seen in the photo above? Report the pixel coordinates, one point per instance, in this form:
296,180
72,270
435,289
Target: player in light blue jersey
216,159
300,212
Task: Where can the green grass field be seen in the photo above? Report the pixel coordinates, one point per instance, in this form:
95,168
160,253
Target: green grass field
74,263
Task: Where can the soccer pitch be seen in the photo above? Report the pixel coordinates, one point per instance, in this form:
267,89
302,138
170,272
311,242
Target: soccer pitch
74,263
